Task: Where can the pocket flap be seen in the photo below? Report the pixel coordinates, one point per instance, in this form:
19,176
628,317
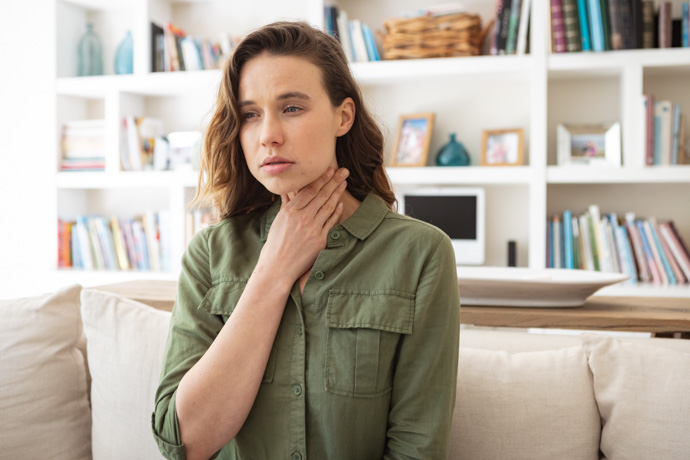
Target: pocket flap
385,310
222,298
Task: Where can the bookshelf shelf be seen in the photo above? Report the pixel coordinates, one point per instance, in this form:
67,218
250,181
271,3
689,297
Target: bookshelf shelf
489,175
587,175
645,290
568,65
128,179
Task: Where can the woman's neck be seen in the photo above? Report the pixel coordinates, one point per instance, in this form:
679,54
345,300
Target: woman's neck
350,205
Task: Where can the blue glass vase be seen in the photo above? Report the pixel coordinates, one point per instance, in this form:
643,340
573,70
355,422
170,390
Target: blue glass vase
90,55
453,154
124,56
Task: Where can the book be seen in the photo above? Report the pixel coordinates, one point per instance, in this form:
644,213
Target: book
675,133
655,274
513,21
648,24
151,230
664,34
360,46
557,238
686,25
617,243
664,130
372,51
120,245
587,243
682,259
549,243
568,239
523,27
503,26
649,129
665,249
558,27
643,272
497,28
596,26
605,23
583,17
636,13
615,26
344,35
597,238
572,25
577,247
631,268
626,24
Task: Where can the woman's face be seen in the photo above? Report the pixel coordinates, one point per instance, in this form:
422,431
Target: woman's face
289,126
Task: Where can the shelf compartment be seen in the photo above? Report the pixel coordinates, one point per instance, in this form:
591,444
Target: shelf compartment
591,175
462,175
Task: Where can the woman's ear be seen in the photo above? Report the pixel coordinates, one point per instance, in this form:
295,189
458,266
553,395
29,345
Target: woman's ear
345,116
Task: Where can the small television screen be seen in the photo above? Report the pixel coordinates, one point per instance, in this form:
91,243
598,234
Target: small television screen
458,212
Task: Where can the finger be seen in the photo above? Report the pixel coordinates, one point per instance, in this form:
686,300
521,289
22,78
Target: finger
307,193
284,199
334,218
328,208
327,191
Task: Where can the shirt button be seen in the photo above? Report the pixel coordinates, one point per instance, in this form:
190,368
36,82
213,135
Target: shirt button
319,275
299,330
297,391
335,234
296,456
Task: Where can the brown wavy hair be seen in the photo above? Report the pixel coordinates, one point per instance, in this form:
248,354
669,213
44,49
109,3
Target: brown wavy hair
225,181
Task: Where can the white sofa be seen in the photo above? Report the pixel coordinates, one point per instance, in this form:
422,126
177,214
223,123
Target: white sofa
519,395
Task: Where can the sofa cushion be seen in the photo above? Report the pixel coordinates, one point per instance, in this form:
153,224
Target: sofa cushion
44,407
531,405
125,343
643,393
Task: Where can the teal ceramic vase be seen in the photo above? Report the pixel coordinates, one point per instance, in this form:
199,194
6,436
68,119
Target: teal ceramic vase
453,154
124,56
90,55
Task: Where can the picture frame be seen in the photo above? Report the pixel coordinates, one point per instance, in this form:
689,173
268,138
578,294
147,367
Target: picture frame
503,147
412,140
593,144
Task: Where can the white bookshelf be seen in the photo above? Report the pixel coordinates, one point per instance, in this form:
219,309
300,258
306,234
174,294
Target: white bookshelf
468,95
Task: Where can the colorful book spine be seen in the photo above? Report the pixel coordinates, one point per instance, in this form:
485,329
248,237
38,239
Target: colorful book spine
629,256
596,26
615,26
666,249
584,25
558,27
686,25
648,24
605,23
557,232
650,130
676,248
649,257
665,25
497,27
572,25
549,243
626,23
513,21
577,247
568,238
504,25
523,27
643,271
597,247
590,260
675,140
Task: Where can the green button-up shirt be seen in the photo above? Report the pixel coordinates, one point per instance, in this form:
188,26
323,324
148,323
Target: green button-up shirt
364,363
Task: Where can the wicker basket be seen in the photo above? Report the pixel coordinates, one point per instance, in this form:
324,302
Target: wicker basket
427,37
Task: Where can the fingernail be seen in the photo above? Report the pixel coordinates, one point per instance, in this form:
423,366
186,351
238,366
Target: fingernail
342,184
344,173
329,171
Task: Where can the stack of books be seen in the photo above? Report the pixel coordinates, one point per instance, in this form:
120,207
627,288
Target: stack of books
354,36
83,146
510,32
195,221
173,50
602,25
663,133
647,250
98,243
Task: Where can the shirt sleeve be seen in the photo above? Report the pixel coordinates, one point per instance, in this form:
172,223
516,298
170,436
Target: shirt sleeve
191,332
424,383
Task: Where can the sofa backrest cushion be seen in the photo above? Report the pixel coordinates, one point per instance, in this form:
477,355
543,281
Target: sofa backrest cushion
125,343
643,394
536,405
44,408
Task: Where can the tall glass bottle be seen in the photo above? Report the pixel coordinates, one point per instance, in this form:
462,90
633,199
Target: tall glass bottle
90,55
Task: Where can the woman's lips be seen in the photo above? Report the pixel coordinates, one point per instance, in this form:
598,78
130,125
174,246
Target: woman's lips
276,167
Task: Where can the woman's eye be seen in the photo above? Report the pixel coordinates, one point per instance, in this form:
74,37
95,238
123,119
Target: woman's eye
248,115
292,109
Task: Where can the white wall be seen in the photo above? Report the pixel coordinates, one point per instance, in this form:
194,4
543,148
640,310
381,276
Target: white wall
27,166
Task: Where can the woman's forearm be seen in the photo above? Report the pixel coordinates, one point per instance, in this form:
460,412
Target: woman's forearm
217,393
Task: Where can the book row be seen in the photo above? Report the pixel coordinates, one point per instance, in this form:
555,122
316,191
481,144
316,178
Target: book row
663,134
510,33
173,50
647,250
141,243
144,147
354,36
602,25
82,143
197,220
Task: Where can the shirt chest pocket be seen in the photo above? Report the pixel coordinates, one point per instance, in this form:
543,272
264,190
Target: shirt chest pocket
221,300
364,330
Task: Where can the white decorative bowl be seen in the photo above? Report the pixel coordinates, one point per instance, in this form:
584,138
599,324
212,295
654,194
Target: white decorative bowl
525,287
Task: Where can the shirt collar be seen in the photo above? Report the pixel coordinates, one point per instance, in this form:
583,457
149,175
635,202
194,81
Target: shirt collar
361,224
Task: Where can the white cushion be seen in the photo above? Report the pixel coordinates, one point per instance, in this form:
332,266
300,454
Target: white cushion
125,341
44,407
643,393
531,405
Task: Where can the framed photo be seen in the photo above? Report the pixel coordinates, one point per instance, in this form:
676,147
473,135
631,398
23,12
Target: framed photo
598,144
412,141
503,147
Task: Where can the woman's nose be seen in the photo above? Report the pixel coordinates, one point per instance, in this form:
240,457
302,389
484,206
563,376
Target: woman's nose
271,131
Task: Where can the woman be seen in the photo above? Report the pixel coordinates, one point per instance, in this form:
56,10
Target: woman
311,321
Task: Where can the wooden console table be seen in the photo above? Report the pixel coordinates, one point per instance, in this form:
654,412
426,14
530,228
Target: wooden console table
659,315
